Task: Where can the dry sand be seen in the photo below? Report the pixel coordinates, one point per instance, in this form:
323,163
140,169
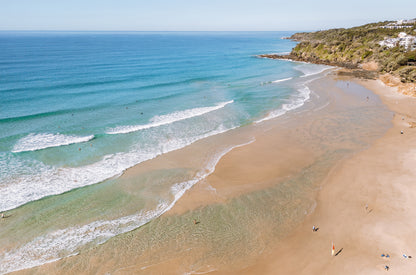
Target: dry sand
366,207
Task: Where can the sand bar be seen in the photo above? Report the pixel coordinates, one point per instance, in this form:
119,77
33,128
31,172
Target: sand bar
366,207
362,203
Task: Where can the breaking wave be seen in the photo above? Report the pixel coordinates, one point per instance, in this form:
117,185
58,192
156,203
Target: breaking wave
168,119
34,142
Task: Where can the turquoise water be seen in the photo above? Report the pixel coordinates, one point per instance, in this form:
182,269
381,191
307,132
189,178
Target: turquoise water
77,109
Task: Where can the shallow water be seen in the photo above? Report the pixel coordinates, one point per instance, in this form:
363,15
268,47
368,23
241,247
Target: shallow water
231,235
211,100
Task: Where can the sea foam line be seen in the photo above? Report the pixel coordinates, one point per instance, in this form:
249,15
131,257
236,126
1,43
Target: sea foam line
67,242
48,180
168,119
311,69
282,80
34,142
298,101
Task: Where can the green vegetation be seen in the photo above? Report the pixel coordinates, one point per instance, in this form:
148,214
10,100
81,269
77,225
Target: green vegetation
355,46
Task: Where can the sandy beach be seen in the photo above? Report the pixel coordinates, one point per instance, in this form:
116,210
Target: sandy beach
365,207
346,170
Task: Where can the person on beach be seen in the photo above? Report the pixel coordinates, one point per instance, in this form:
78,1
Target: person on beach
313,228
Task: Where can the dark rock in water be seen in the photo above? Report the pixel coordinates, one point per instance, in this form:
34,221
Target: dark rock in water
311,60
358,73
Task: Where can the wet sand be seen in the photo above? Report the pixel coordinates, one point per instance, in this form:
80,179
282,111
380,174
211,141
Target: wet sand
366,207
320,165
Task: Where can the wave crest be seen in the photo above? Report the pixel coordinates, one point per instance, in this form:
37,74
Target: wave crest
34,142
168,119
66,242
304,95
281,80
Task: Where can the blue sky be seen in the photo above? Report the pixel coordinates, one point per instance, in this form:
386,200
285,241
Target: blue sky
198,15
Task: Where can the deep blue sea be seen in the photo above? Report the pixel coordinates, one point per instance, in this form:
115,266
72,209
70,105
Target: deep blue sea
78,108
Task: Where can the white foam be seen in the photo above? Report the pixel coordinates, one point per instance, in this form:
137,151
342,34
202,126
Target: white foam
295,102
66,242
44,180
311,69
34,142
282,80
168,119
322,107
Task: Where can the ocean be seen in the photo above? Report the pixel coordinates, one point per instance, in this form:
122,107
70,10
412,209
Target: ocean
79,108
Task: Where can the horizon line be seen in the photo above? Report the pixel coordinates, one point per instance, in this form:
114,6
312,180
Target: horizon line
156,30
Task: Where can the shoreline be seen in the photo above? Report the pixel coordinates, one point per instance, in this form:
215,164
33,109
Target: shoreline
364,207
291,57
366,71
193,160
191,206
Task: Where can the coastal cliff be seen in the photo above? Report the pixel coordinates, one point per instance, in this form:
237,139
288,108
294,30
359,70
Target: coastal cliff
375,49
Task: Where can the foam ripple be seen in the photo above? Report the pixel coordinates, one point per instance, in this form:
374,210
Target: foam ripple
34,142
168,119
311,69
295,102
282,80
67,242
45,180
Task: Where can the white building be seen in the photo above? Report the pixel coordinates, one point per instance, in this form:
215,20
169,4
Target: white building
402,35
400,24
403,39
412,21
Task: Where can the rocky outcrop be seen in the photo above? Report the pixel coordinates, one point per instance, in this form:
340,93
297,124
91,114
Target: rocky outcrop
314,60
403,88
355,48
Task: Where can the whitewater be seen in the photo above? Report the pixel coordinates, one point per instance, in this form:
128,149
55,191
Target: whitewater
79,109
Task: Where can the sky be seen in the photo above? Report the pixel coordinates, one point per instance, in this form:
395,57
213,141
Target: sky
198,15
